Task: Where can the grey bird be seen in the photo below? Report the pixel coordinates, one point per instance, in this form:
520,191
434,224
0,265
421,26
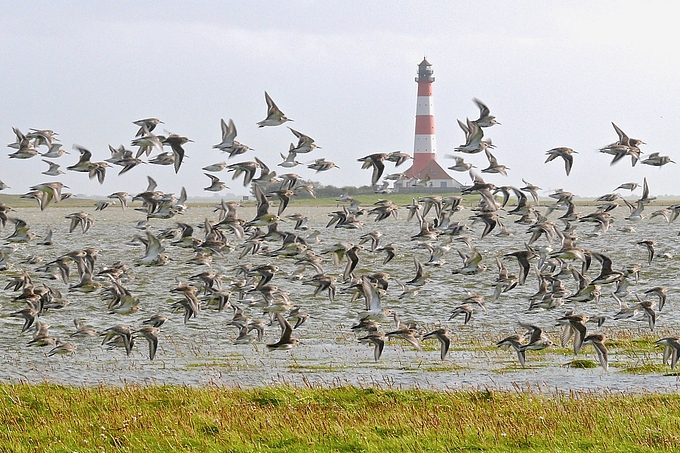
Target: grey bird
216,185
567,154
53,170
378,340
671,349
597,340
485,118
176,141
443,336
656,160
275,116
286,341
150,333
305,143
146,125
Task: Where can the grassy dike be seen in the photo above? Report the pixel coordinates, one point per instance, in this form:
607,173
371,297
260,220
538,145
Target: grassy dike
53,418
366,201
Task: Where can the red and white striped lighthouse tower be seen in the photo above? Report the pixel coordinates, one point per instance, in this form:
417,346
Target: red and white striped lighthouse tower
425,166
424,148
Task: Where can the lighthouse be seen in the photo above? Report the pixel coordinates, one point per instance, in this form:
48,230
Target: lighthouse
425,144
425,166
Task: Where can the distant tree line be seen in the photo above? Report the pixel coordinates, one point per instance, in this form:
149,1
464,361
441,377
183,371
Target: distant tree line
320,190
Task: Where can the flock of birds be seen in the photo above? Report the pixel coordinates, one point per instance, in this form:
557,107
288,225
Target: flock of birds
552,251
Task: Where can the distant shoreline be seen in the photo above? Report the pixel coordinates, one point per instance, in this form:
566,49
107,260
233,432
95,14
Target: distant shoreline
15,201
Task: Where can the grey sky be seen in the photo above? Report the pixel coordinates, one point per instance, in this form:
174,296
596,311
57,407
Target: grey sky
553,73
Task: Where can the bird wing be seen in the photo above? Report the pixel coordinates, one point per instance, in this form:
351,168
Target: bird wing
178,153
483,109
579,334
623,138
373,302
286,328
602,354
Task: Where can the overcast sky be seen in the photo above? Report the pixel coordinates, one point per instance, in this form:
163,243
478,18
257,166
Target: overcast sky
553,73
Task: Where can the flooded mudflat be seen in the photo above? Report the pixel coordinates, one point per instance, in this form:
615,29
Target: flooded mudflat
202,351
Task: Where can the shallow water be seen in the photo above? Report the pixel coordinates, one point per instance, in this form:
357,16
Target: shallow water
202,352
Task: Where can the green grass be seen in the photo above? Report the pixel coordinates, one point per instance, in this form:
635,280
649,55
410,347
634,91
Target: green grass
277,419
401,199
581,363
366,200
16,202
646,368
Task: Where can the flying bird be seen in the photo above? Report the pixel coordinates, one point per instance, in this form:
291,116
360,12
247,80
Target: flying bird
377,162
176,141
485,118
146,125
285,342
305,143
564,153
216,185
275,116
656,160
